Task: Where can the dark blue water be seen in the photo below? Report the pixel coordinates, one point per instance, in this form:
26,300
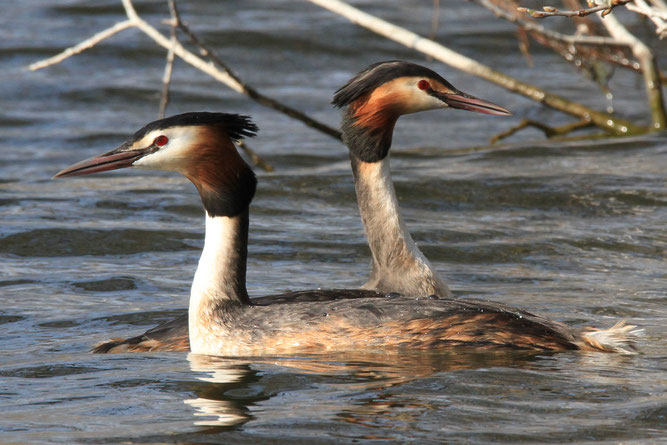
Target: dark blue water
571,230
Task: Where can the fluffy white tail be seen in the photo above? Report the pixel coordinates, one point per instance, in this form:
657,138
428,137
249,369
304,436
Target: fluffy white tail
620,338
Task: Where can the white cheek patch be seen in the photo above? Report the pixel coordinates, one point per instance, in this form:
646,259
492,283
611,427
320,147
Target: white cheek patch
417,100
422,101
174,154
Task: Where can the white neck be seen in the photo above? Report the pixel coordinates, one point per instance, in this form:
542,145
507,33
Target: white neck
219,282
398,264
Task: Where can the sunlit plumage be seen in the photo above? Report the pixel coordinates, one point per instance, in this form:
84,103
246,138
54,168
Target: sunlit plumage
418,314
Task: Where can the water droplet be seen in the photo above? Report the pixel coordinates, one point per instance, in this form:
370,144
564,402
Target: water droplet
610,105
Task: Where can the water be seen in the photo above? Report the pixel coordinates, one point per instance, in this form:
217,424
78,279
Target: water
572,230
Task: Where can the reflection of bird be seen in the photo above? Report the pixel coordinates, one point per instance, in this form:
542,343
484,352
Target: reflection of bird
222,319
213,406
231,391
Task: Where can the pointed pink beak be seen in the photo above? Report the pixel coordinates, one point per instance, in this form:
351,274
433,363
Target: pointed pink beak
467,102
115,159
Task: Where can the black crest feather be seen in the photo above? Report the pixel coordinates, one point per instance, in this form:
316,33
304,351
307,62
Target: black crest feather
236,126
378,74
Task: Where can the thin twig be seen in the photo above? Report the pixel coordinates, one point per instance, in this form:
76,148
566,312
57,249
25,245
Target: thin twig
550,11
177,24
646,58
657,16
169,65
534,27
254,157
551,38
252,92
435,19
607,122
81,47
434,23
225,76
547,130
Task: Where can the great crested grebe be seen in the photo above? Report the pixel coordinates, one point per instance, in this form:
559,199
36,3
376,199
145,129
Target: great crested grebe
375,98
224,321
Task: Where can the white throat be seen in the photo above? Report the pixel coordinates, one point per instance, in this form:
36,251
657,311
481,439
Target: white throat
220,277
398,264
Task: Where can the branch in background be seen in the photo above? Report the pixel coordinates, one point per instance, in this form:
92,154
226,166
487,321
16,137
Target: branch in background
616,52
656,11
434,19
547,130
657,14
254,157
169,65
550,11
252,92
646,60
649,68
81,47
605,121
553,35
578,49
225,76
585,49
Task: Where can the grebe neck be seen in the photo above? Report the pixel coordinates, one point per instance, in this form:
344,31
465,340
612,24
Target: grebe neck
398,264
220,280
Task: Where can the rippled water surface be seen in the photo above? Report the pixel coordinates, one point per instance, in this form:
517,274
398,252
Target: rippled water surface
571,230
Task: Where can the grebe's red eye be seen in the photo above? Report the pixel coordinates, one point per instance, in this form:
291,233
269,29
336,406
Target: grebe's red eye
161,140
423,85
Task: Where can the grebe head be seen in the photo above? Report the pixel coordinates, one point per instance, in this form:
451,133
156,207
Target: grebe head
200,146
377,96
404,88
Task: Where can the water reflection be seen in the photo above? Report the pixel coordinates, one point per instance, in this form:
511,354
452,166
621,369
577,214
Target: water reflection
213,403
350,388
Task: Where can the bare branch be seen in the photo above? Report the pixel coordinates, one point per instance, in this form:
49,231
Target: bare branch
254,157
227,76
649,69
609,123
434,19
657,14
176,23
175,48
252,92
547,130
550,11
169,65
534,27
81,47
